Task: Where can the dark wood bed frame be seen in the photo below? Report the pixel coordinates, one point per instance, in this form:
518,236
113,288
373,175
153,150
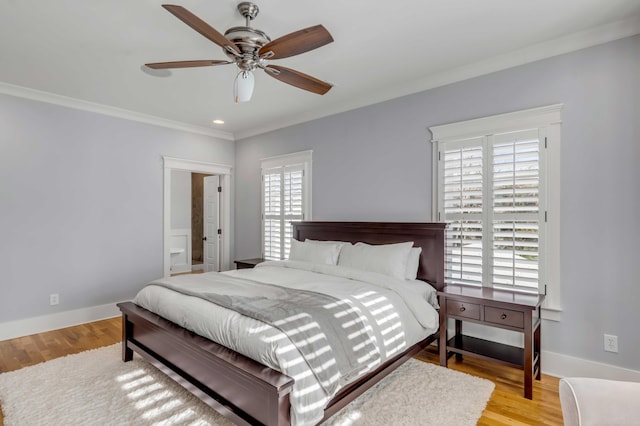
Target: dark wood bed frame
243,390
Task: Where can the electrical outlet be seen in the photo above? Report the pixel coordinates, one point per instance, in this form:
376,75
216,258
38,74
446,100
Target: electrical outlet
54,299
610,343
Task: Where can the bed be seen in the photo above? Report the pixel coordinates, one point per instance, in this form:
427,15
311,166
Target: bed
247,391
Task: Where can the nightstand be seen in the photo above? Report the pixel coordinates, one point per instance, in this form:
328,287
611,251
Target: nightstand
495,308
248,263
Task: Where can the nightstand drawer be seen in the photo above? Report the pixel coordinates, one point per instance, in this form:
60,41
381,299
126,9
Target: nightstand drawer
504,317
248,263
463,309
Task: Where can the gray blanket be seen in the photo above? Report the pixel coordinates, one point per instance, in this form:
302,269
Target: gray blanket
331,335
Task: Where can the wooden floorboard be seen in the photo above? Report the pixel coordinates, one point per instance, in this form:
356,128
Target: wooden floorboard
507,406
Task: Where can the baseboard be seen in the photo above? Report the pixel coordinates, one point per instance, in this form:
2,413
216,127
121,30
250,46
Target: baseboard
198,267
553,363
34,325
561,365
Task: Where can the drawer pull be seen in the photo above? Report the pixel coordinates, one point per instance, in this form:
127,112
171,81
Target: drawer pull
503,316
462,309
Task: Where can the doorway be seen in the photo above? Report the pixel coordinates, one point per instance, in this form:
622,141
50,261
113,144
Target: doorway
209,226
219,256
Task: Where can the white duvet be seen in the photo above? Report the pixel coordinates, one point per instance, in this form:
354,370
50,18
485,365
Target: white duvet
401,313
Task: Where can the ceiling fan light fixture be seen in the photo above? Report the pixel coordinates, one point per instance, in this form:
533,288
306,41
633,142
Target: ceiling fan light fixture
243,86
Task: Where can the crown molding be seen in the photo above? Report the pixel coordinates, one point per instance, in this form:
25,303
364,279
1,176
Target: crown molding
52,98
559,46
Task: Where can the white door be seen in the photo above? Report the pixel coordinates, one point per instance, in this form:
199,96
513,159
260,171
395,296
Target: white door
212,237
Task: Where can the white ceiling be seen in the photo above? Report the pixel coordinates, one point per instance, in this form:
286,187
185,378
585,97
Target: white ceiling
92,51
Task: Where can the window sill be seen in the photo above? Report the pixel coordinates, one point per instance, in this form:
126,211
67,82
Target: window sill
552,313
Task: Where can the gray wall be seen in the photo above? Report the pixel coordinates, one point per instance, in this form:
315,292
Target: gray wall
81,204
374,163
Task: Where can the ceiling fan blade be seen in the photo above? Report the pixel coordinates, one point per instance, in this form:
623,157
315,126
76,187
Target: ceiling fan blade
186,64
297,42
298,79
200,26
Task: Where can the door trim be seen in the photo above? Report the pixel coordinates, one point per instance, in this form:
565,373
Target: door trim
224,171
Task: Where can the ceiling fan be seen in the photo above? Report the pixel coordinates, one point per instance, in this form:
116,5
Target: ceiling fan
250,48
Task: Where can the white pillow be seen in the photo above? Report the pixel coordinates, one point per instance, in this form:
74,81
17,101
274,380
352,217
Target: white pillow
413,262
387,259
340,243
315,253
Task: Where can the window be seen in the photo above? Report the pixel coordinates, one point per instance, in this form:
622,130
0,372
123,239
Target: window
286,197
492,186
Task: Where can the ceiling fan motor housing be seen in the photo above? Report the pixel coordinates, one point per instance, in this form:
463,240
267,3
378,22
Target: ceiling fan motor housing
248,40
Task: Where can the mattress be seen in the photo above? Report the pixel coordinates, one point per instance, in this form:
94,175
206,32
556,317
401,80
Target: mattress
400,313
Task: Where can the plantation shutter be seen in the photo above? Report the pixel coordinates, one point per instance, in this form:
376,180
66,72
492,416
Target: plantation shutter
516,210
463,202
490,194
272,213
283,203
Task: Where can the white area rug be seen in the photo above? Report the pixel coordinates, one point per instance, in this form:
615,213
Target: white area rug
97,388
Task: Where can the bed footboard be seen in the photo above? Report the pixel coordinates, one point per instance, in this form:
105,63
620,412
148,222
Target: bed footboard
237,387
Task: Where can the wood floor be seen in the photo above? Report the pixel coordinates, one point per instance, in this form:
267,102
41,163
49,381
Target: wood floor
507,406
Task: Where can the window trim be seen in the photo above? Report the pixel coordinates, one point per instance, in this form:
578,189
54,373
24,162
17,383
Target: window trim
305,158
548,119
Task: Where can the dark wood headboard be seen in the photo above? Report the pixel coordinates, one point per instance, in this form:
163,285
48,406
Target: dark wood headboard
429,236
